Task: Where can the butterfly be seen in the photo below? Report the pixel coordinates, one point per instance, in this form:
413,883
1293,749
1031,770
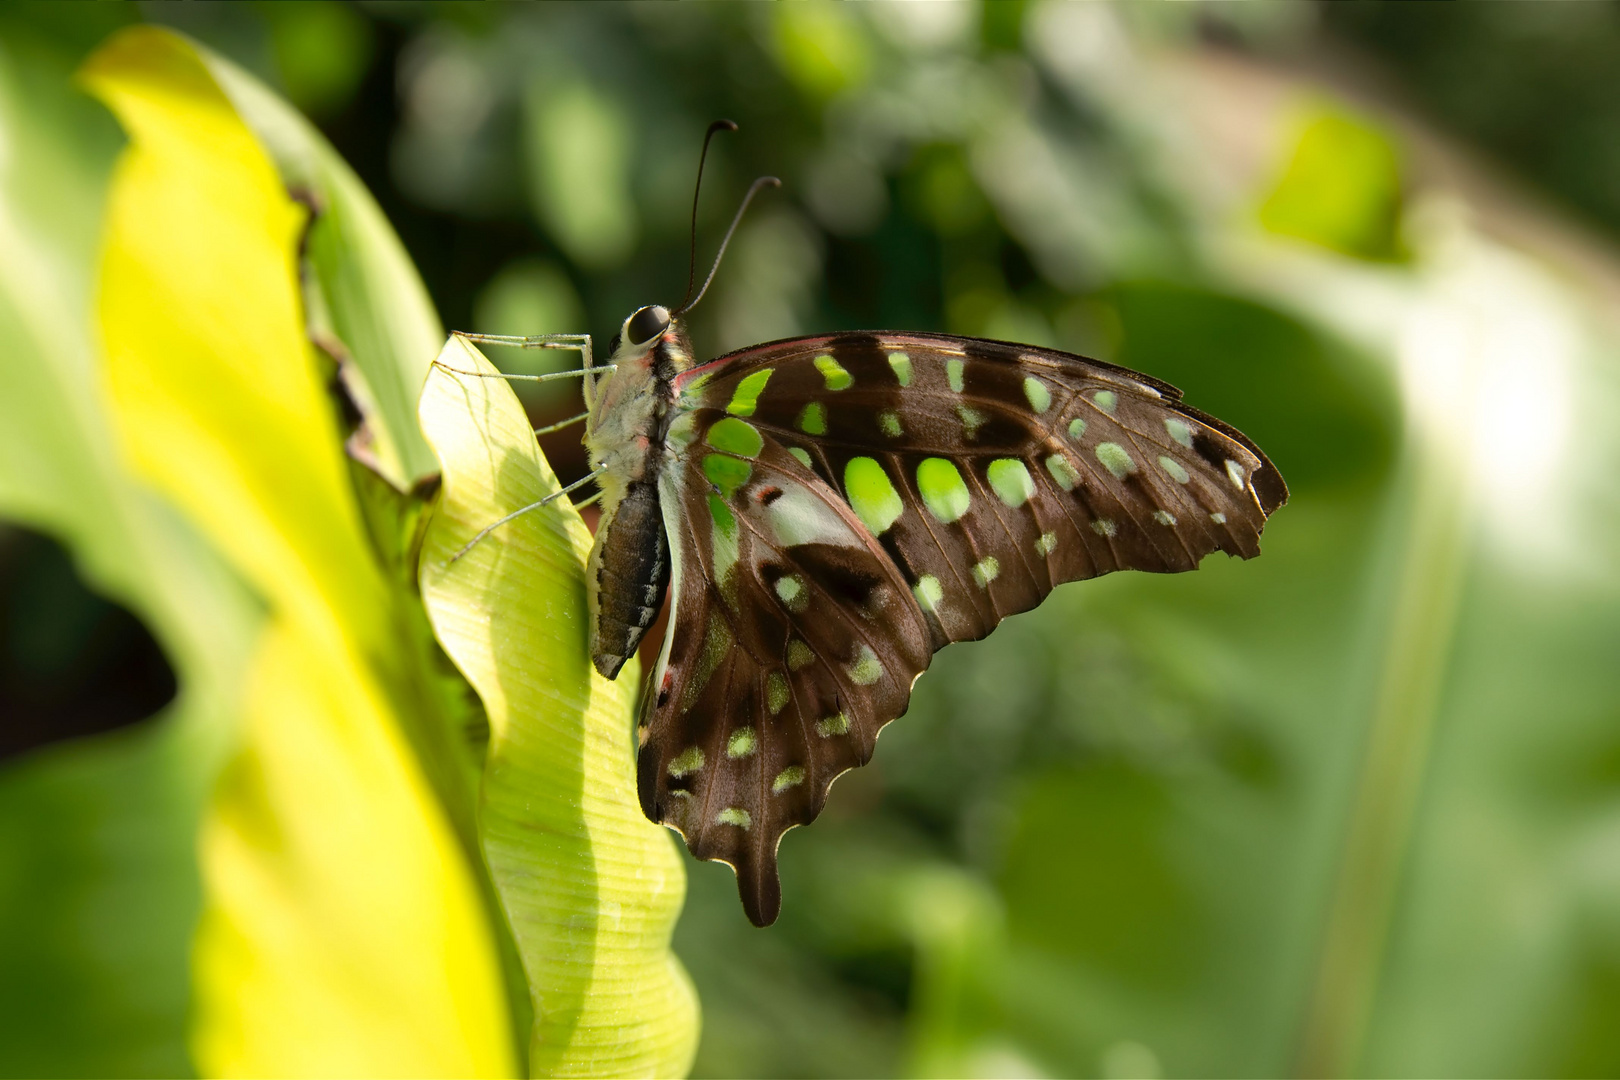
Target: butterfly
827,512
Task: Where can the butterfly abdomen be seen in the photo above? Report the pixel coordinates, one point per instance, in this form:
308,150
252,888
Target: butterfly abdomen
629,565
630,575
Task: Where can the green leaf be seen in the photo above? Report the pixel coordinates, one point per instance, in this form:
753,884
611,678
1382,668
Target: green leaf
820,47
339,903
1341,188
365,302
578,142
591,888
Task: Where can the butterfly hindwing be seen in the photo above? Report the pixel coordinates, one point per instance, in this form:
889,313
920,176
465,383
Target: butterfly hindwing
793,639
839,507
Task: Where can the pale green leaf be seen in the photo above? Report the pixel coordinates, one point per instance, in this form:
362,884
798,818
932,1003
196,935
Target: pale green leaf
591,888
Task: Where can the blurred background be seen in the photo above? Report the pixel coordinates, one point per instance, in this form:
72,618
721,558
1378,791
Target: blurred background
1353,808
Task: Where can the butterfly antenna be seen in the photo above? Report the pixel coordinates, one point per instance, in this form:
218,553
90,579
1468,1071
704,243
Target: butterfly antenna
764,181
691,264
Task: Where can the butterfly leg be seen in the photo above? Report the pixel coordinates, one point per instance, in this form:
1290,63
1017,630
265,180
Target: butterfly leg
581,342
559,425
534,341
550,376
520,511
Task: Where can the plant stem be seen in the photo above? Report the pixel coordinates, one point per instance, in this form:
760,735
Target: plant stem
1406,702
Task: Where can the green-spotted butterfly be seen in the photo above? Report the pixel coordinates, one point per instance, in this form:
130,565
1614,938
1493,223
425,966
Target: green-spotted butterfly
829,511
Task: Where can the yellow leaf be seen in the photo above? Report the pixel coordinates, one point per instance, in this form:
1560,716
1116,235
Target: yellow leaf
343,930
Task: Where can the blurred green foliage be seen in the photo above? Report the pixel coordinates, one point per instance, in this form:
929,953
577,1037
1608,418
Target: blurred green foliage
1347,809
99,886
1341,190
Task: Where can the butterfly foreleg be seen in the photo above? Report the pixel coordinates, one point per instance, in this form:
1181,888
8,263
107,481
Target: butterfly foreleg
550,376
580,342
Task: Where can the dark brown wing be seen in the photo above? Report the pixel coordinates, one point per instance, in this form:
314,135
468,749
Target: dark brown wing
1016,468
792,640
839,507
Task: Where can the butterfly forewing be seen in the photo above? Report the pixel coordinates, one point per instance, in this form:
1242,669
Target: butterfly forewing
841,506
1014,469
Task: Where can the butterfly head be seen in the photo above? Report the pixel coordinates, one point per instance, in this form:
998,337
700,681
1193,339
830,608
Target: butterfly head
654,340
645,325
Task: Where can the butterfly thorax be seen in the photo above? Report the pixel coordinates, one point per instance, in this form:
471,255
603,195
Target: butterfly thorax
629,564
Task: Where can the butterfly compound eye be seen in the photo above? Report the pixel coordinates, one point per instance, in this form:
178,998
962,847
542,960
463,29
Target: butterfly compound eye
647,324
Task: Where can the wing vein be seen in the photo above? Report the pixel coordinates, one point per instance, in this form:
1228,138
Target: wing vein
1148,461
922,515
994,502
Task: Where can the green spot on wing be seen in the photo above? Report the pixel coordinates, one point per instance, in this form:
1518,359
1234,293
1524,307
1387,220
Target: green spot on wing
1105,400
1115,459
743,741
791,591
928,592
1040,398
723,519
836,724
776,692
813,419
717,645
953,373
942,489
867,669
802,455
1010,480
1077,428
889,421
986,570
734,815
746,396
1179,431
686,762
792,776
1174,468
799,655
726,473
900,363
872,495
972,419
1063,471
831,370
736,437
